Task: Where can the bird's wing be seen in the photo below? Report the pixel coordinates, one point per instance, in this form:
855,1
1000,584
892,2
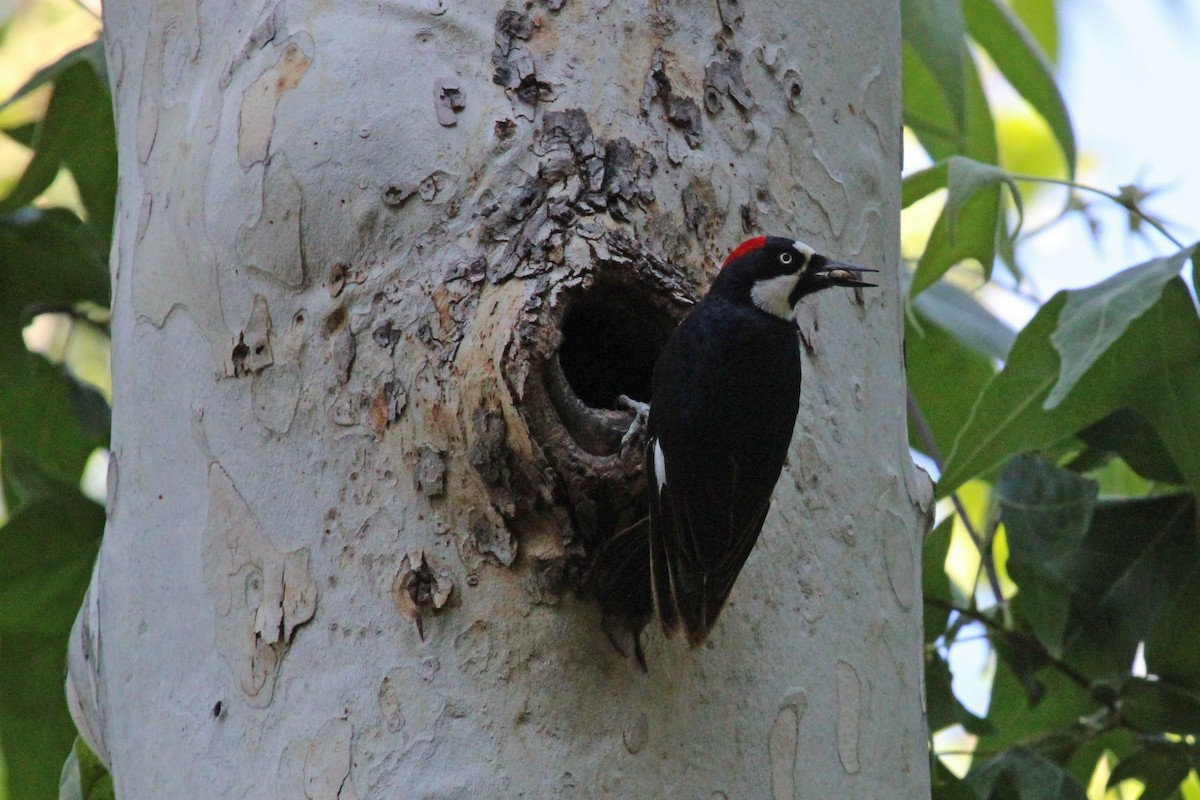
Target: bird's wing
701,538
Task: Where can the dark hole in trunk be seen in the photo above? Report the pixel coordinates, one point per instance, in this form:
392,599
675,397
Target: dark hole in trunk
611,339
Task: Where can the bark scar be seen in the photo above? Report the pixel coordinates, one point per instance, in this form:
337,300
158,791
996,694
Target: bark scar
260,594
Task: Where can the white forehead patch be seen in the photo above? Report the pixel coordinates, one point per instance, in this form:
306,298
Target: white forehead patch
805,249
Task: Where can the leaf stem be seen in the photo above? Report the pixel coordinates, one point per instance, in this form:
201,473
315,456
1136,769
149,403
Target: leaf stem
1128,205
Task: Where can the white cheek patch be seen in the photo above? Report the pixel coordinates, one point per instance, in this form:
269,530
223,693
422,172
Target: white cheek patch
660,466
771,294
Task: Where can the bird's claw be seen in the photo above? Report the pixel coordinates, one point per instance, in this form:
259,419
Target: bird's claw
641,413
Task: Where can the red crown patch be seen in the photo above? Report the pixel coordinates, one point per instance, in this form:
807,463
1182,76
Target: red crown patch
748,246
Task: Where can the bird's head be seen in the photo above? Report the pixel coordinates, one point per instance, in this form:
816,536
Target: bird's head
774,272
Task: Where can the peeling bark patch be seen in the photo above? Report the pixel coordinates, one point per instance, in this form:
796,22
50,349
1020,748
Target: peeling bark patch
259,38
260,594
410,705
386,406
341,353
731,12
147,128
547,580
327,766
85,695
489,454
318,768
505,129
513,61
419,586
701,213
724,79
899,561
429,477
849,722
448,100
794,87
815,588
491,537
251,350
275,394
337,278
144,214
273,242
636,734
336,320
256,122
396,194
579,176
783,746
681,111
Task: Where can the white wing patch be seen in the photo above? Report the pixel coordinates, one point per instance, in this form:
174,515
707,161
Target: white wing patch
771,294
660,466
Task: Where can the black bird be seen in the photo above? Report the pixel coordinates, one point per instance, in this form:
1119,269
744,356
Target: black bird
725,393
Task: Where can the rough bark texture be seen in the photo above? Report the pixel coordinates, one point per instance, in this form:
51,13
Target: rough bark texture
354,488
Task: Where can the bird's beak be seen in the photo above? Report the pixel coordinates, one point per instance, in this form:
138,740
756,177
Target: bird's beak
837,273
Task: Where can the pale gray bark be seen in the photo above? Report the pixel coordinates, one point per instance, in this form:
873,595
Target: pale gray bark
347,232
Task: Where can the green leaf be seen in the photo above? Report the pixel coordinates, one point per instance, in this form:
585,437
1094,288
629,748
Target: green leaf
1169,401
46,553
47,258
945,785
35,726
1041,20
1129,435
963,317
1032,776
945,378
935,582
943,709
1137,552
1171,649
77,131
1118,743
1095,317
1160,768
1158,706
966,177
22,134
970,222
1153,355
90,54
936,32
1046,513
1030,698
1023,63
938,127
923,183
84,777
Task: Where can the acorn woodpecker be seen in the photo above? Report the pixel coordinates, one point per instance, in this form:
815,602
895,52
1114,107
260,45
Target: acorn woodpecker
725,393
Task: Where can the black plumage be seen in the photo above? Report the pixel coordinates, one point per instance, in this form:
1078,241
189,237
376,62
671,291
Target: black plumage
726,391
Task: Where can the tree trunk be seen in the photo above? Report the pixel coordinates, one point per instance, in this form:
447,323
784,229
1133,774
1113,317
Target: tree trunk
355,490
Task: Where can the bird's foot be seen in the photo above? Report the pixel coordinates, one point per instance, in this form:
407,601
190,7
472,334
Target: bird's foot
641,413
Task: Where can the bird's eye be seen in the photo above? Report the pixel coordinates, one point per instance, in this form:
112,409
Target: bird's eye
785,258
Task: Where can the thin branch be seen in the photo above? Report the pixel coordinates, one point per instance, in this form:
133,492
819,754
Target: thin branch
1016,638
